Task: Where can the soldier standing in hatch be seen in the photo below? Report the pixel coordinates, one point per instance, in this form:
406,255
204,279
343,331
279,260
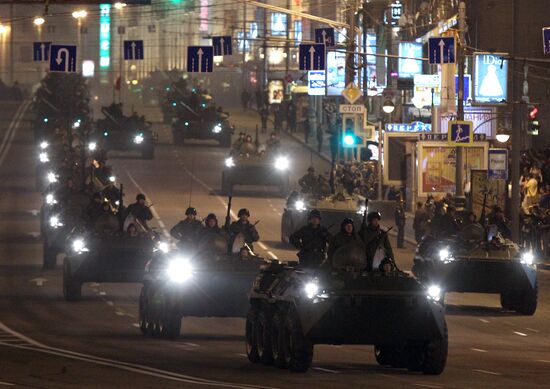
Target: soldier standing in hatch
312,241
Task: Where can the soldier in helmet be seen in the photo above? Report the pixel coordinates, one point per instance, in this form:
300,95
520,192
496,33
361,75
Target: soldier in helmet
140,211
345,237
308,183
244,228
187,231
376,241
312,241
239,142
273,143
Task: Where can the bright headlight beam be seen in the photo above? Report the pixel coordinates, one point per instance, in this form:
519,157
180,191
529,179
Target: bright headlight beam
55,222
217,129
92,146
43,157
311,289
179,270
50,199
164,247
434,292
229,162
300,205
444,254
44,145
138,139
79,246
527,258
282,163
112,179
52,178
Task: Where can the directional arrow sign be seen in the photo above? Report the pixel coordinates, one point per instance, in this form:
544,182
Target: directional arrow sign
325,36
200,59
461,133
442,50
546,39
133,50
39,281
41,51
312,57
222,45
63,58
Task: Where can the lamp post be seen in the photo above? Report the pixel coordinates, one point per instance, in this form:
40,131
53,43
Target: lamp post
79,15
388,107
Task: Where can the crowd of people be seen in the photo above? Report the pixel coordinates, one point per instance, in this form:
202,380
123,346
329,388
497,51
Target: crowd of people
535,180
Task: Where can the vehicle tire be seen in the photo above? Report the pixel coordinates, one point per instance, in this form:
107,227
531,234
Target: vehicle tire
277,342
170,322
148,153
49,256
265,349
300,349
251,332
526,301
506,300
143,308
72,289
383,355
287,227
435,355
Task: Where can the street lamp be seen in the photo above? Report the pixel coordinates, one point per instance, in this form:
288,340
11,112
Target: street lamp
39,20
503,135
80,14
119,5
388,106
3,29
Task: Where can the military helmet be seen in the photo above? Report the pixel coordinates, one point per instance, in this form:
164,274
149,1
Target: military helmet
314,213
374,215
311,169
347,220
140,196
191,211
211,216
243,211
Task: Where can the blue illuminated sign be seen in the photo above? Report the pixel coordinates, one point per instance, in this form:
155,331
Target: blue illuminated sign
408,66
413,127
491,78
104,36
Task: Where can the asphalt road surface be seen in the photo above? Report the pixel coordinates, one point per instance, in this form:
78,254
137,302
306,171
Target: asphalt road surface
46,342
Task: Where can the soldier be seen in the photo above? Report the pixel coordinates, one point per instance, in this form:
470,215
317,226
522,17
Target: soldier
312,241
420,223
188,231
273,143
94,209
376,241
400,220
140,211
309,181
345,237
239,142
244,228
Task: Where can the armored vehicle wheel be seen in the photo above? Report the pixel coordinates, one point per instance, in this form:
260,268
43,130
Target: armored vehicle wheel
251,335
265,349
72,289
169,323
527,301
143,311
506,300
148,153
287,227
49,256
383,355
435,355
300,349
227,186
277,345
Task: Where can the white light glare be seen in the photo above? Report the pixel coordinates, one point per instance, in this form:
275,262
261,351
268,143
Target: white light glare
50,199
138,139
217,128
311,289
43,157
300,205
92,146
229,162
527,258
52,178
79,246
179,270
434,292
282,163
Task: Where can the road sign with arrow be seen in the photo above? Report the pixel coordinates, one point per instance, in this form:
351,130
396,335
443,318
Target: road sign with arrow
546,39
63,59
442,50
41,51
325,36
133,50
200,59
222,45
312,57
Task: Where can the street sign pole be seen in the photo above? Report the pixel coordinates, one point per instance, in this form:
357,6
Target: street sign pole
459,191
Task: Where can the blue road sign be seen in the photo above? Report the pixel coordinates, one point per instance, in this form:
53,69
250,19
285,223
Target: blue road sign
62,58
546,39
133,50
200,59
325,36
461,133
312,57
222,45
41,51
442,50
498,164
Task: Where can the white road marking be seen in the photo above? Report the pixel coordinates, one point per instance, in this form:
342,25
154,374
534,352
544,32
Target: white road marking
486,372
119,313
34,234
272,255
484,321
152,208
136,325
161,224
242,355
34,212
520,333
110,303
103,293
263,246
326,370
429,386
192,344
479,350
12,130
94,284
532,330
6,383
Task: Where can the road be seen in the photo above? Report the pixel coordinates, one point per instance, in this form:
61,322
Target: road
49,343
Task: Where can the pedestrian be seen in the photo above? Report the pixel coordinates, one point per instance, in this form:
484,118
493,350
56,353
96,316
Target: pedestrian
400,220
264,114
420,222
319,138
291,117
306,125
245,99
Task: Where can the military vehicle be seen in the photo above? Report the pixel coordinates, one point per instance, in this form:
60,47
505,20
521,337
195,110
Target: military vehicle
292,309
104,256
208,124
249,166
119,132
476,261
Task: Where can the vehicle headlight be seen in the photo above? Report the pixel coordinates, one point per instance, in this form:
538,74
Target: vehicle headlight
229,162
282,163
52,178
179,270
50,199
55,222
300,205
76,124
445,256
43,157
164,247
138,139
112,179
217,128
527,258
44,145
311,289
92,146
434,293
79,246
361,210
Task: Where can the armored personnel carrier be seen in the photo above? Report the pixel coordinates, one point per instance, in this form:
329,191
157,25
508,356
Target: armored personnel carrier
292,309
207,124
478,262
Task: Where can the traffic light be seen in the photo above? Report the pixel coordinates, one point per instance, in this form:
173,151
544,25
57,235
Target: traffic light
534,123
349,139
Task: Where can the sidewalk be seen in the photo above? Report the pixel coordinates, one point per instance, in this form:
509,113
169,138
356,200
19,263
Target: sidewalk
251,116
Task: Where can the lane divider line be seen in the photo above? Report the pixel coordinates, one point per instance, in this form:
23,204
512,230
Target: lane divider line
486,372
12,130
